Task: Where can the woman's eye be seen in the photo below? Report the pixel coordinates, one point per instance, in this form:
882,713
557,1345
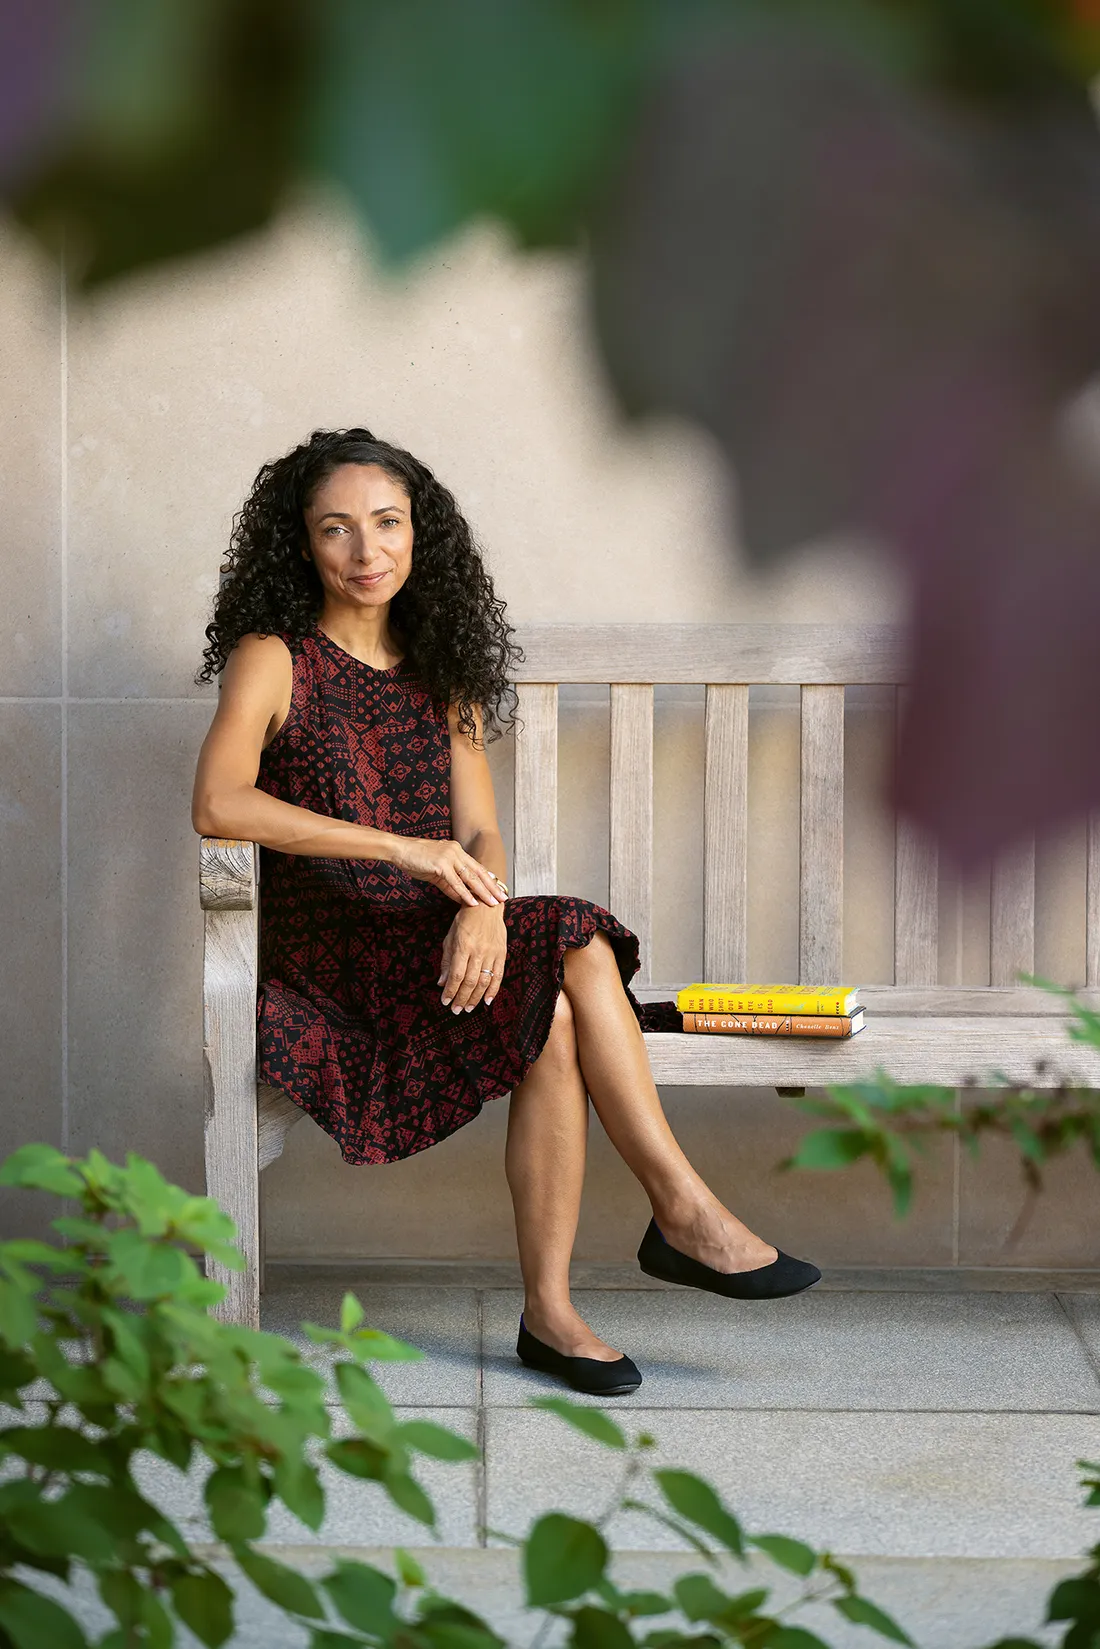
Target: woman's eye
330,530
391,521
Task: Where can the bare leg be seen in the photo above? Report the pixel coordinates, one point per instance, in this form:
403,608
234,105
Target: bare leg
544,1163
616,1072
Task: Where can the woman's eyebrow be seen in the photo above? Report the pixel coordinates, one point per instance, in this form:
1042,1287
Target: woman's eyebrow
342,515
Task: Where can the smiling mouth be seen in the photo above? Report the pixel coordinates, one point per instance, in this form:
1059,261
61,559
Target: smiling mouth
369,578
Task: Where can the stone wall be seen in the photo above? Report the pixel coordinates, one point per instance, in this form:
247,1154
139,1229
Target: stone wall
130,428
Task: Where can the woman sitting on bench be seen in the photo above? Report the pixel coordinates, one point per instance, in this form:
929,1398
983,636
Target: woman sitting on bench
365,655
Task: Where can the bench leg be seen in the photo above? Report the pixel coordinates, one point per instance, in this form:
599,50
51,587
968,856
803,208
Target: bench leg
229,1062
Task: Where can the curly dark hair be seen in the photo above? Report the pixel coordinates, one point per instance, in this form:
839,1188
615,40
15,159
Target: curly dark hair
447,615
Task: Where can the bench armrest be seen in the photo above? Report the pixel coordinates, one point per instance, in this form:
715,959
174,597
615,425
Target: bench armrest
228,873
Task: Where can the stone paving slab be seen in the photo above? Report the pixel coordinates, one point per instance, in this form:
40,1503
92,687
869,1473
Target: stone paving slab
357,1512
1083,1311
877,1484
948,1604
440,1322
823,1351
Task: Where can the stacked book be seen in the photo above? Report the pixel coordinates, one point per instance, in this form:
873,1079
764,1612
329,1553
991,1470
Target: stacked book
771,1010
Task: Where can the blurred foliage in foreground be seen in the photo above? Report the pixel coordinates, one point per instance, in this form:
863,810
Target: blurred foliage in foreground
859,240
113,1355
890,1122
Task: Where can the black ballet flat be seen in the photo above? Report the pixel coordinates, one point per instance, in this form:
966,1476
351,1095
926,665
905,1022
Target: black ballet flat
582,1373
784,1276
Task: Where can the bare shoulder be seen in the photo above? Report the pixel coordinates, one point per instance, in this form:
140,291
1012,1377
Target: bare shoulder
260,653
258,680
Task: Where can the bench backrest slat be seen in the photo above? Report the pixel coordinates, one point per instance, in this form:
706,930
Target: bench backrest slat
726,834
535,855
916,895
841,654
821,841
1012,914
1092,901
630,881
916,907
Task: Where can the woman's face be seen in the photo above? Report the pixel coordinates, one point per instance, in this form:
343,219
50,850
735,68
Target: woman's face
359,523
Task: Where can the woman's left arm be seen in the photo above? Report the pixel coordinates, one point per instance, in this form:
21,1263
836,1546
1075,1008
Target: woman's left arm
474,950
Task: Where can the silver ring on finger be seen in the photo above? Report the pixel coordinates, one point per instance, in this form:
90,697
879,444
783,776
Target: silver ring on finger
485,971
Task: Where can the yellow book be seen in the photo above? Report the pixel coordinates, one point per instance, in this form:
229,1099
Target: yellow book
782,999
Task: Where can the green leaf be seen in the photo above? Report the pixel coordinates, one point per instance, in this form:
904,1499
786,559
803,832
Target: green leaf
562,1559
699,1598
18,1316
150,1269
428,1438
128,1338
899,1174
592,1422
644,1604
160,1633
369,1344
366,1403
864,1613
351,1314
694,1499
59,1447
408,1568
595,1628
41,1168
63,1528
363,1595
122,1510
1077,1599
204,1602
121,1591
16,1370
359,1457
831,1148
407,1493
32,1252
286,1587
299,1488
236,1504
789,1554
33,1621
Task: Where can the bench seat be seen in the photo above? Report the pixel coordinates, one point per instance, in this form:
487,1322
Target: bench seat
948,1051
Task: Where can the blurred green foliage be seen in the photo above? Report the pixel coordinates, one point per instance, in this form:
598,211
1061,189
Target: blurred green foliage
892,1123
181,123
108,1351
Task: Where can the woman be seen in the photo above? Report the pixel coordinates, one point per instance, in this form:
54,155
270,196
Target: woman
365,657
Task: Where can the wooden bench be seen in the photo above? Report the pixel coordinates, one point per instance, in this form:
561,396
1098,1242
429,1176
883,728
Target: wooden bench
917,1030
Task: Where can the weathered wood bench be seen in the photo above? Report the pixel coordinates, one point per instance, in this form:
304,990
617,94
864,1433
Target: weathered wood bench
917,1030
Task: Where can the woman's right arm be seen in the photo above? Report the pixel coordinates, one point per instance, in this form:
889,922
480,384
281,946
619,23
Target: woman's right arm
253,703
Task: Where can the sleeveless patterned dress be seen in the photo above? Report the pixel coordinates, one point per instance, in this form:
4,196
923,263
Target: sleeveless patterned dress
351,1025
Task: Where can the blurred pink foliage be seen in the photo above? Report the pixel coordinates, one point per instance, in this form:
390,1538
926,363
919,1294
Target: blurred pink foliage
880,305
858,239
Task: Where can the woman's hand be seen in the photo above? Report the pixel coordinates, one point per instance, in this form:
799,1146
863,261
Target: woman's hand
473,958
449,867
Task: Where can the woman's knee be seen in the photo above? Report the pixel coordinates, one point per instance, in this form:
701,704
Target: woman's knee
598,954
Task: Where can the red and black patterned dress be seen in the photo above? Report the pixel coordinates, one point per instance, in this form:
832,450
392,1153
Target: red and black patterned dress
351,1024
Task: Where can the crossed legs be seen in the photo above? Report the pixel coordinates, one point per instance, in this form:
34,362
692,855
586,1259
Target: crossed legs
596,1049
